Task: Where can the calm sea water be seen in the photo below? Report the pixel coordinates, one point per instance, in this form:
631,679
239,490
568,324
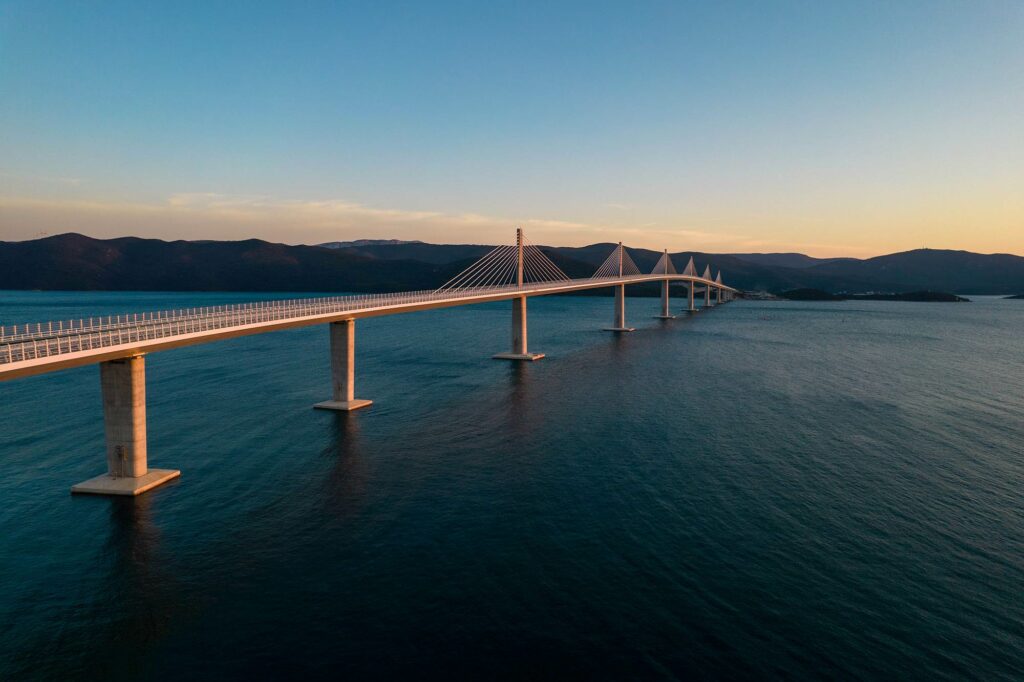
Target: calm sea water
763,490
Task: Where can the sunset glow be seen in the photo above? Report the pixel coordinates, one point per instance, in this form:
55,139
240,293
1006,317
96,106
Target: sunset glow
855,130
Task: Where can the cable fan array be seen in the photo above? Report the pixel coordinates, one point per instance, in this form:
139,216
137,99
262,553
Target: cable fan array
618,264
500,267
664,266
691,269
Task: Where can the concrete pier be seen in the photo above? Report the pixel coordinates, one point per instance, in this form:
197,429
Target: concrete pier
519,345
343,369
665,313
620,311
707,296
123,385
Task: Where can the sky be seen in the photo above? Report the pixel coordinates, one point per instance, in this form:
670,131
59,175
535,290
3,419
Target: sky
830,128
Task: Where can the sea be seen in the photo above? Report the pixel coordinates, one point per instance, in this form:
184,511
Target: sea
763,490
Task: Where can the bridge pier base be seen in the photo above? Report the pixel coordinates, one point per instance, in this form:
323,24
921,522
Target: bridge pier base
707,297
343,369
123,385
665,314
519,345
620,311
691,308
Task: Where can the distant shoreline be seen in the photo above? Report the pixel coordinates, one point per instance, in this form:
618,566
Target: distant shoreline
910,296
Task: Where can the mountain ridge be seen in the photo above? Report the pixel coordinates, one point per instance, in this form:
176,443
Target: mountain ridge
73,261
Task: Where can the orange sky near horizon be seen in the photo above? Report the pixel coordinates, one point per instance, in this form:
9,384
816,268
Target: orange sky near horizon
854,231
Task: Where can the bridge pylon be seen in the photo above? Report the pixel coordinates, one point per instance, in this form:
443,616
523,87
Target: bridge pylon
707,287
690,271
522,265
618,264
664,267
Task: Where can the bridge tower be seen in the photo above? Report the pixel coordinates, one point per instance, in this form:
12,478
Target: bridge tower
707,287
690,271
519,344
521,268
619,265
664,267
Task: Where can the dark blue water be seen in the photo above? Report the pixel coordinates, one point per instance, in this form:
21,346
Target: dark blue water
763,490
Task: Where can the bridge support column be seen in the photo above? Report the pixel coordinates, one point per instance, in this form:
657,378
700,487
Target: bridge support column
691,308
343,369
123,385
519,351
718,295
620,311
707,296
665,314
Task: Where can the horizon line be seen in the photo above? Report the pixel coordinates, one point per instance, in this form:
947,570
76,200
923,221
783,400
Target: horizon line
43,236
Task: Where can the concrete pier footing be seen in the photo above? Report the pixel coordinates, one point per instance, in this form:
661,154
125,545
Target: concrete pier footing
529,357
342,405
123,385
519,337
106,484
343,369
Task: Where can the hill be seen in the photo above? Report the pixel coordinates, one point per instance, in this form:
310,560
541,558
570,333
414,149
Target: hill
911,296
366,242
438,254
785,260
959,271
77,262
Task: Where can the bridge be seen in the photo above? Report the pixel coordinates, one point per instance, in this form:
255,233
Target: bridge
513,272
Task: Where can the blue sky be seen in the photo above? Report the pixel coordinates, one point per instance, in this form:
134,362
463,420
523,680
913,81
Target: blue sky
830,128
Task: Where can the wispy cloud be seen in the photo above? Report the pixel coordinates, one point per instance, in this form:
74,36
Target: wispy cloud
44,179
214,215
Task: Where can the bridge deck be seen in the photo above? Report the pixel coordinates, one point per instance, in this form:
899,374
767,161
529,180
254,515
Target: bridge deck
50,346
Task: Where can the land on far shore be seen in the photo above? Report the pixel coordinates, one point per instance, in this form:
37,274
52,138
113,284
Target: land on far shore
78,262
914,296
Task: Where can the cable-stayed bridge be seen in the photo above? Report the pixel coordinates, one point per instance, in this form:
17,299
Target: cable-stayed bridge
119,343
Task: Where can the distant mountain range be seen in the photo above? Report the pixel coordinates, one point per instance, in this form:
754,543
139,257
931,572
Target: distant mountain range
77,262
366,242
785,260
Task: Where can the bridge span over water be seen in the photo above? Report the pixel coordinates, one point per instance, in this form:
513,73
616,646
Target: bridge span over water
119,343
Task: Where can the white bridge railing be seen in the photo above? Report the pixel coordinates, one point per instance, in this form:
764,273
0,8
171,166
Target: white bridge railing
19,343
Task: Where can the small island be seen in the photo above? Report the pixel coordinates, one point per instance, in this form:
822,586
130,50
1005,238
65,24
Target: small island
1018,297
912,296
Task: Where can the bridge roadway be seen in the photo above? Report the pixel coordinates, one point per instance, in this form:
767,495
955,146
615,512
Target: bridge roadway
120,343
48,347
